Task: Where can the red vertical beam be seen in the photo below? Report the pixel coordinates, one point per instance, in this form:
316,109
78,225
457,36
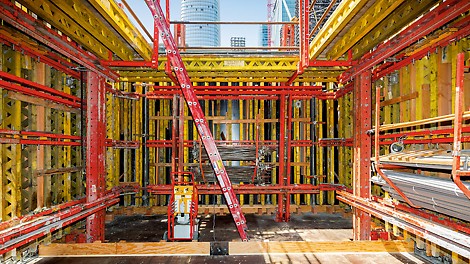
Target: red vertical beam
95,153
362,152
281,176
174,134
289,157
181,136
155,46
459,108
304,34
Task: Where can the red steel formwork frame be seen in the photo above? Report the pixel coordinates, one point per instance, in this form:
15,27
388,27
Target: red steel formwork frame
441,15
362,144
96,153
198,115
29,25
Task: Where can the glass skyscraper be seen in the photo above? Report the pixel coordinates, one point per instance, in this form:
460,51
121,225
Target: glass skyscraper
284,10
201,10
263,36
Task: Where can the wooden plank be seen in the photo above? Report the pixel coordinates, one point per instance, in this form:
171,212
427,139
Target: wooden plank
284,247
399,99
81,249
126,248
164,248
426,101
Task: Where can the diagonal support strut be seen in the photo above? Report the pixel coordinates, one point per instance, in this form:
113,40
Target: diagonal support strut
182,76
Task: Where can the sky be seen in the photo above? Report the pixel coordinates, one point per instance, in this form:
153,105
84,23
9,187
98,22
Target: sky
230,10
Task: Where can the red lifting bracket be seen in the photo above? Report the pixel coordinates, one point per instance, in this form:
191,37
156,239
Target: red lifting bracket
182,76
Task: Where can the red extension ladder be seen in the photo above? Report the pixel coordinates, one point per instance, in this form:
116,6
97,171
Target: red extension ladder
198,116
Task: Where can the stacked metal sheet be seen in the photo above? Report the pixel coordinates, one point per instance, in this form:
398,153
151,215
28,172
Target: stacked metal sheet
436,194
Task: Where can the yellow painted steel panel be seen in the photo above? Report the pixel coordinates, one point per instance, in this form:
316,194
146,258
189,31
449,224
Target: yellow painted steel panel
371,18
121,23
338,20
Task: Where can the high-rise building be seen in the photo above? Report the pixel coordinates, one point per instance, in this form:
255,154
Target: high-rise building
283,10
237,42
207,35
263,36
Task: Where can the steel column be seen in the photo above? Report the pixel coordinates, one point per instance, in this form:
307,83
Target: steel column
96,153
362,152
145,149
281,199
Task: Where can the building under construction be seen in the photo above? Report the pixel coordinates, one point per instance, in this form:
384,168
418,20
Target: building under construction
348,142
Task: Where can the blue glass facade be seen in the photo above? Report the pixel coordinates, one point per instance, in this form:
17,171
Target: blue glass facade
263,36
201,10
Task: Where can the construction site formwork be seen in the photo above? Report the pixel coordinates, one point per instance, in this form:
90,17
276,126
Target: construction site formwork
85,127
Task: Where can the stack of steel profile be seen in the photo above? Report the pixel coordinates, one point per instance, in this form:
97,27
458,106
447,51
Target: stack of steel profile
436,194
236,174
228,152
233,152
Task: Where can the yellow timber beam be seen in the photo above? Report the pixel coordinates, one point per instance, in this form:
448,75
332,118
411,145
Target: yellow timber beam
220,76
401,17
236,69
121,23
88,20
65,24
371,18
346,10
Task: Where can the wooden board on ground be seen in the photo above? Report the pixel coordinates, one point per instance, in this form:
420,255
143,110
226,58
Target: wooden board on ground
284,247
126,248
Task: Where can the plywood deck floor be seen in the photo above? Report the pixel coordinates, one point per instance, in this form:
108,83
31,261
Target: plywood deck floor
303,227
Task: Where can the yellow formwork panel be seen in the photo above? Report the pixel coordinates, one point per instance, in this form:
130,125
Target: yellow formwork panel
116,17
403,15
330,150
320,150
11,153
74,19
110,128
67,151
336,23
234,69
371,18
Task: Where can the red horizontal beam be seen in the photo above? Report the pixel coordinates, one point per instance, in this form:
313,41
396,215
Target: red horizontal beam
387,68
45,57
37,138
252,189
333,63
436,18
30,26
38,92
146,64
122,144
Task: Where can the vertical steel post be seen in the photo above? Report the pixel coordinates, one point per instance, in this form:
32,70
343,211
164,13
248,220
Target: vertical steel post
362,152
181,135
281,204
459,109
96,152
145,149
